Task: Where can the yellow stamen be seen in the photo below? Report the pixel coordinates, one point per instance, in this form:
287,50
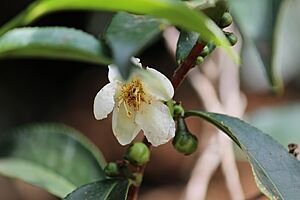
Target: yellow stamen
132,95
127,111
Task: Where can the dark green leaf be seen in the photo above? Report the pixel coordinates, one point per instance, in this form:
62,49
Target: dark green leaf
128,35
51,156
276,171
55,42
257,30
185,43
175,12
109,189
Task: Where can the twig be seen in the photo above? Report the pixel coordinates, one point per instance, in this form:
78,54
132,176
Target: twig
188,63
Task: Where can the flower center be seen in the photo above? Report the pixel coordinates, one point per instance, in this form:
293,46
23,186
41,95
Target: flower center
132,95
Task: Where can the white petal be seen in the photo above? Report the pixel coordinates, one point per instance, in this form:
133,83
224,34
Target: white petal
157,84
156,122
114,74
136,61
104,101
125,129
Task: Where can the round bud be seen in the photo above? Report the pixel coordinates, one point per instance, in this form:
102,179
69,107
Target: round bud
226,20
211,46
178,110
232,38
199,60
185,143
138,154
112,169
205,51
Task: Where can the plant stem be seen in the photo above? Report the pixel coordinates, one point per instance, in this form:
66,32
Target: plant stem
187,64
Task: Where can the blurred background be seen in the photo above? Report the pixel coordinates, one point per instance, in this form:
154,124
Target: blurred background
33,90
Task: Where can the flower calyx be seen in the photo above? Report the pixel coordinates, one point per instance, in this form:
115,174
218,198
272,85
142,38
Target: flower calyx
176,109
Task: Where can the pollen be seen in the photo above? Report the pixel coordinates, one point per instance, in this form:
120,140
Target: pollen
132,95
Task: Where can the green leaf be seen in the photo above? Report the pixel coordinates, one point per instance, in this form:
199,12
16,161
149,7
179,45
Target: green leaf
109,189
277,172
175,12
185,43
128,35
258,31
51,156
55,42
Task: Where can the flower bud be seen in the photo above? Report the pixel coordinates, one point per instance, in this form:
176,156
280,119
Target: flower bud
211,46
138,154
199,60
232,38
205,51
112,169
226,20
178,110
184,142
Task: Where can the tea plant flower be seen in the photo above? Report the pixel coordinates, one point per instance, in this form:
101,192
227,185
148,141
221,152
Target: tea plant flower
137,104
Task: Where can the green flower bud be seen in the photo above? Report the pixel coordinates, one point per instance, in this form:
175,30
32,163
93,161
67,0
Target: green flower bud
199,60
184,142
211,46
226,20
112,169
205,51
178,111
232,38
138,154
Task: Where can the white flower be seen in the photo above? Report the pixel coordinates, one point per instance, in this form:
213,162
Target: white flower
137,104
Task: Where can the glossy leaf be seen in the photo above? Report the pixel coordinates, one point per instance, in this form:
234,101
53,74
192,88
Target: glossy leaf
128,35
109,189
185,43
258,31
276,171
55,42
51,156
175,12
